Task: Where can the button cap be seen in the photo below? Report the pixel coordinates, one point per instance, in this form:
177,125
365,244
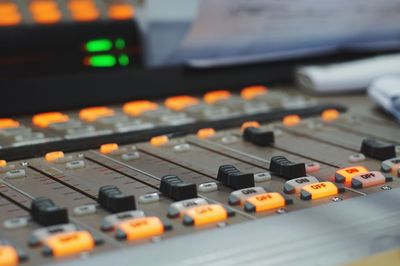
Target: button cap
136,108
206,214
181,102
43,120
112,199
177,208
45,212
3,163
295,185
258,136
213,97
54,156
248,124
92,114
140,228
376,149
109,148
174,188
369,179
208,187
346,174
158,141
251,92
262,177
69,243
265,202
281,166
205,133
232,177
149,198
8,123
330,115
8,256
291,120
319,190
239,196
391,166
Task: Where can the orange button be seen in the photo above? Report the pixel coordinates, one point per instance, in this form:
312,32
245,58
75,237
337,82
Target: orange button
8,7
108,148
252,92
159,140
216,96
54,156
264,202
205,133
250,124
83,10
10,19
70,243
3,163
291,120
346,174
319,190
136,108
45,11
8,256
141,228
46,119
178,103
91,114
330,115
121,11
8,123
205,214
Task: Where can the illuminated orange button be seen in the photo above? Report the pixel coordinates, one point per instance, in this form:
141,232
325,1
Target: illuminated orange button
8,256
46,119
91,114
264,202
205,133
216,96
7,8
8,123
45,11
319,190
121,11
346,174
83,10
136,108
250,124
159,140
178,103
10,19
47,18
252,92
205,214
70,243
109,148
54,156
3,163
142,228
291,120
86,15
330,115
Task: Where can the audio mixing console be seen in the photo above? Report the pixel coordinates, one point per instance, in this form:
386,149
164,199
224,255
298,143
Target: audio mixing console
264,177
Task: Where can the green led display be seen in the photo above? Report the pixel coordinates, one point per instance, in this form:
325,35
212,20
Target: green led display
120,43
99,45
102,61
123,60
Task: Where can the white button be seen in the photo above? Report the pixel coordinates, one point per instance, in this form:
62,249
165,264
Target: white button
357,157
18,173
229,139
239,196
295,185
85,210
261,177
75,164
176,208
15,223
181,147
134,155
312,167
149,198
208,187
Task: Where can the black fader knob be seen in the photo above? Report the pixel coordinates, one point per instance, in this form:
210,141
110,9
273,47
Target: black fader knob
232,177
258,136
174,188
281,166
113,200
377,149
45,212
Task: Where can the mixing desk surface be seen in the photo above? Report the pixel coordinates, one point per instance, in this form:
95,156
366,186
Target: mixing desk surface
263,177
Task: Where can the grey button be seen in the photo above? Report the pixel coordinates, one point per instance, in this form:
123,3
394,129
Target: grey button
208,187
261,177
239,196
129,156
149,198
75,164
15,223
85,210
17,173
295,185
